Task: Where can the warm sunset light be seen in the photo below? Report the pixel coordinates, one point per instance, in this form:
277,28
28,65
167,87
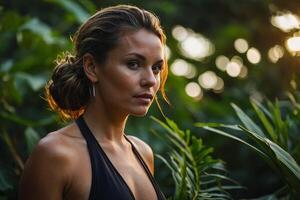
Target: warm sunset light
196,46
244,72
253,55
219,86
221,62
293,44
179,33
286,22
192,89
275,53
241,45
208,79
233,69
180,67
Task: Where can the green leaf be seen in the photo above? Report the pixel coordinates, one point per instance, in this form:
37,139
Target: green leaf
265,121
36,26
76,10
235,138
247,120
282,161
32,137
35,82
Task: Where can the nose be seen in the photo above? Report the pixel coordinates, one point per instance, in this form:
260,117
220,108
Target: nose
149,79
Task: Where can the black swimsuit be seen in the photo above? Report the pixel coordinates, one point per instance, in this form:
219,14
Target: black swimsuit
107,183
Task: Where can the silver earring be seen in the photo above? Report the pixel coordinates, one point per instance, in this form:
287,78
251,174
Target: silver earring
94,90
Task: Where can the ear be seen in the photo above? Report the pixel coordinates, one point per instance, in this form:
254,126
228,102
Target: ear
89,67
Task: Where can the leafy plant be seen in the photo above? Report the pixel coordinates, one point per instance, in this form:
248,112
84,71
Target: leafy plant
271,139
197,175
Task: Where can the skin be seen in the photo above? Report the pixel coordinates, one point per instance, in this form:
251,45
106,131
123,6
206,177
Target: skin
59,167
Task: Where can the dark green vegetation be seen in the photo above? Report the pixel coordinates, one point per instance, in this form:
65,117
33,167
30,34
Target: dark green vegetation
33,33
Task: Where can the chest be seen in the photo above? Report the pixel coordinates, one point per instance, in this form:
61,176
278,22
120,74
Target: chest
126,167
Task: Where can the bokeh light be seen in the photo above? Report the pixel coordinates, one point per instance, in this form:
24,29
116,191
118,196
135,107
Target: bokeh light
243,72
219,87
293,44
179,33
241,45
286,22
275,53
182,68
179,67
253,55
221,62
233,69
208,79
193,89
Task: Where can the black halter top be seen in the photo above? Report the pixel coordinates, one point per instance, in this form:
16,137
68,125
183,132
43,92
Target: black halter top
107,183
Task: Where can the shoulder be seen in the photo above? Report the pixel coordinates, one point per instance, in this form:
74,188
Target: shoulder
55,146
48,169
145,150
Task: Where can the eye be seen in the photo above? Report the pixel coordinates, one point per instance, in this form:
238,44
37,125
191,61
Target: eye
157,68
133,64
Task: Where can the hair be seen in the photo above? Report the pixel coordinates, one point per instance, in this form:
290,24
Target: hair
68,91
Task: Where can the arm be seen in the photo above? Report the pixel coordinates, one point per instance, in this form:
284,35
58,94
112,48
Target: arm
46,172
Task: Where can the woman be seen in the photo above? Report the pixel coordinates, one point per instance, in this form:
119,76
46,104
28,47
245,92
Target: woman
118,67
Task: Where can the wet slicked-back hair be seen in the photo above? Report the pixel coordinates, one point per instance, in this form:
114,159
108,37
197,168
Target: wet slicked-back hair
68,91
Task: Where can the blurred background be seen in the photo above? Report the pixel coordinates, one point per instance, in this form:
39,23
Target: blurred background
219,51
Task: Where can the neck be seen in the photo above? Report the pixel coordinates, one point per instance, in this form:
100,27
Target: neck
105,124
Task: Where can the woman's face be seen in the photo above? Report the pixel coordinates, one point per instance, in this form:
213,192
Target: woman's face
130,76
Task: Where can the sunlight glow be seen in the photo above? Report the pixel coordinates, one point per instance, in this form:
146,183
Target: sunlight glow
241,45
196,46
221,62
179,33
253,55
286,22
180,67
275,53
219,87
192,89
208,79
293,44
233,69
244,72
192,71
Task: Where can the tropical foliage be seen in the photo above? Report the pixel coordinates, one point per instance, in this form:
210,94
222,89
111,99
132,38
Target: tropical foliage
196,173
276,140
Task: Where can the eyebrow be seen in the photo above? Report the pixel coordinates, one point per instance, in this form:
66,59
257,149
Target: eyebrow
142,57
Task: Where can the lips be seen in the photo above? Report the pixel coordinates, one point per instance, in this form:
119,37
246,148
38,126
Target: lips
144,96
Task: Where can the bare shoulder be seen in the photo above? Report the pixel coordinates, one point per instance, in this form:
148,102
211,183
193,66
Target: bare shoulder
145,150
47,170
54,146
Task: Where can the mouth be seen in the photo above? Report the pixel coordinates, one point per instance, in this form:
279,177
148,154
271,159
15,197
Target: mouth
144,98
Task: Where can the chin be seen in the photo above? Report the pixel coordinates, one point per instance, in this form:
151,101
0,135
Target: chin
139,113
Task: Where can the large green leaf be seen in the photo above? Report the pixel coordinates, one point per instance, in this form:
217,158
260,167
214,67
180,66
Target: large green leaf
267,124
77,11
38,27
247,120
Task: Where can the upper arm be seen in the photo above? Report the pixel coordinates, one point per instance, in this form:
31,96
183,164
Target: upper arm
145,151
45,174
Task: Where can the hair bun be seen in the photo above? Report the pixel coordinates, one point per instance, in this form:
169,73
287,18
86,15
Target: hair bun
68,89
